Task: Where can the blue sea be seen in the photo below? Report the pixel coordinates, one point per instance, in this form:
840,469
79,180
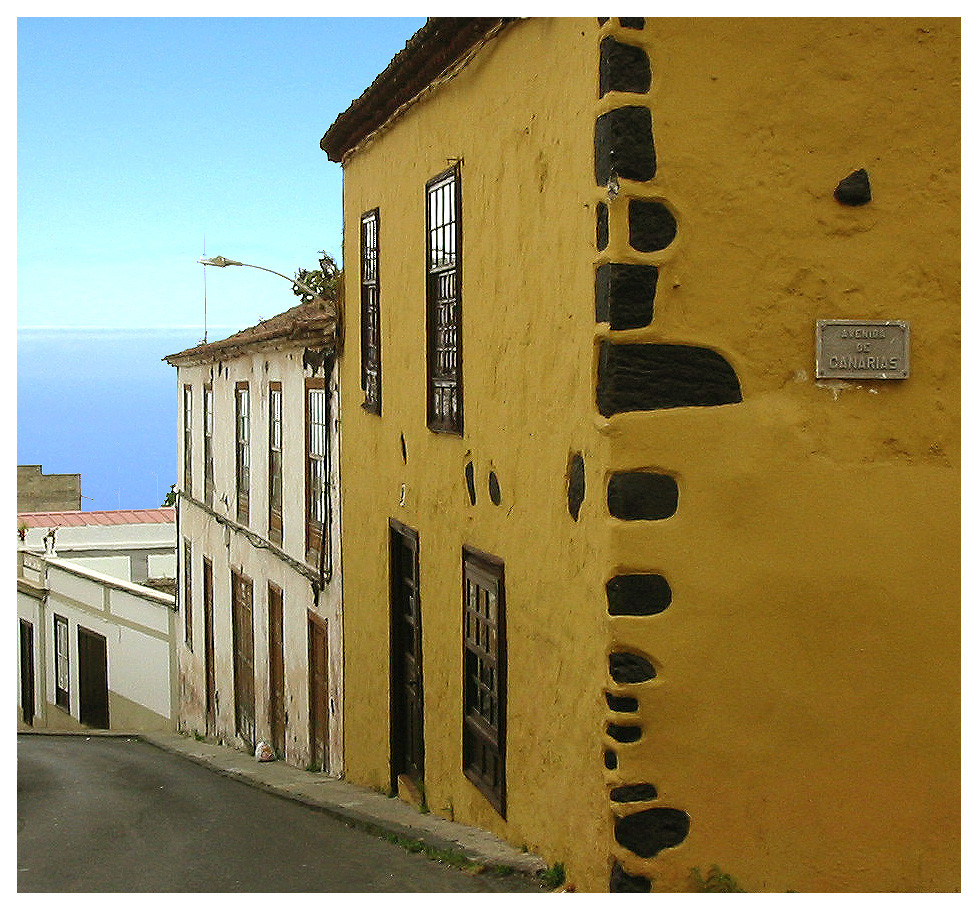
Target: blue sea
103,404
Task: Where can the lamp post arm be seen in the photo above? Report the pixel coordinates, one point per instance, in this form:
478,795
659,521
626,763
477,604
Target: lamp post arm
222,262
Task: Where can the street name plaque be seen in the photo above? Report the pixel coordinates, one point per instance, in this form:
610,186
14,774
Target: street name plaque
848,349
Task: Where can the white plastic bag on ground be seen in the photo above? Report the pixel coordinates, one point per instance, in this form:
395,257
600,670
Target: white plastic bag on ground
264,752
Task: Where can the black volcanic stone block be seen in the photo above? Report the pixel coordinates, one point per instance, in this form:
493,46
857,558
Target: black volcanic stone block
637,22
638,595
647,377
626,667
634,495
624,295
854,190
620,881
624,733
631,792
622,703
624,143
622,68
601,226
576,485
650,831
652,225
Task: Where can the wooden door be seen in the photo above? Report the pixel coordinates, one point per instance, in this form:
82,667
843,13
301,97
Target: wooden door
210,684
319,696
277,673
243,643
93,679
27,671
407,698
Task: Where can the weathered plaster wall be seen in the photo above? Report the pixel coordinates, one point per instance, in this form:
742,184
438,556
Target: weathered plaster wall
229,549
520,116
799,724
805,712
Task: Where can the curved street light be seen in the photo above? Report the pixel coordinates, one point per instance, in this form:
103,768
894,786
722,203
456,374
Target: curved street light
222,261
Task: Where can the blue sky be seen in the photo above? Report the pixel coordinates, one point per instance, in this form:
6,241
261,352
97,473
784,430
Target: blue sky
141,139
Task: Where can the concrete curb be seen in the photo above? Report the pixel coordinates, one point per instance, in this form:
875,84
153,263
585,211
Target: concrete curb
353,805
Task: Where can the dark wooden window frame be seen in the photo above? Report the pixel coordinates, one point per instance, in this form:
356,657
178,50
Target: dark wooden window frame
188,438
443,300
242,450
484,676
243,654
275,462
62,693
317,471
207,436
188,594
207,605
370,310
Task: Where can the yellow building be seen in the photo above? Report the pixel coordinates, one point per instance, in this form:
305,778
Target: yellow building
650,562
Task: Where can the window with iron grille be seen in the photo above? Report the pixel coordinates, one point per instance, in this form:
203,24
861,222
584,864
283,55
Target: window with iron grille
316,468
208,445
61,696
370,312
242,449
444,301
484,676
275,462
188,595
188,437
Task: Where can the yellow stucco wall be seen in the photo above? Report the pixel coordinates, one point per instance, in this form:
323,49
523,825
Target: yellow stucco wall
805,712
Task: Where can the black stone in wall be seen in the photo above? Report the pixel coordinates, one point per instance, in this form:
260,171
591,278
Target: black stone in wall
647,377
634,495
601,226
611,760
471,483
650,831
626,667
622,703
622,68
624,143
854,190
620,881
624,733
576,485
624,295
637,22
631,792
638,595
652,225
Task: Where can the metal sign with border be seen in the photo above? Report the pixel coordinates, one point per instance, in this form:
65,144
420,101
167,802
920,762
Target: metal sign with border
851,349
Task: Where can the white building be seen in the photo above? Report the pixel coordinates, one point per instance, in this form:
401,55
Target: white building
95,650
131,544
260,656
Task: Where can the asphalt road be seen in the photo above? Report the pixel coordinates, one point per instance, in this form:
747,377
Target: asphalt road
110,814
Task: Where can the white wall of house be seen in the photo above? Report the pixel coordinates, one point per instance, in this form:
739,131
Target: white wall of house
214,532
133,552
137,623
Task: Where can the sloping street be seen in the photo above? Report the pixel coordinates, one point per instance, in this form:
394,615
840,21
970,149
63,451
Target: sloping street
115,814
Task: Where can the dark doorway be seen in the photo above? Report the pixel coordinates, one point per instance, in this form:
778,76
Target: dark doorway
277,673
319,676
407,701
210,684
243,643
27,671
93,679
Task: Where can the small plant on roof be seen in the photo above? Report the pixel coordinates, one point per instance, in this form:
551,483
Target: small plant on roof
325,280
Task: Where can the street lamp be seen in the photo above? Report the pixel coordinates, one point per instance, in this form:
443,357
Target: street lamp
222,261
332,307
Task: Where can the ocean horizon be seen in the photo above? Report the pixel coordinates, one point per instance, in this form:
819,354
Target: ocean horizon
102,403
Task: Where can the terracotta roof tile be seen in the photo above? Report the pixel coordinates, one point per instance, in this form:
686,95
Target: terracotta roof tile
163,515
314,321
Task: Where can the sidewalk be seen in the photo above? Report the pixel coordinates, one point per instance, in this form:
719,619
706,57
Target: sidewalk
356,806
